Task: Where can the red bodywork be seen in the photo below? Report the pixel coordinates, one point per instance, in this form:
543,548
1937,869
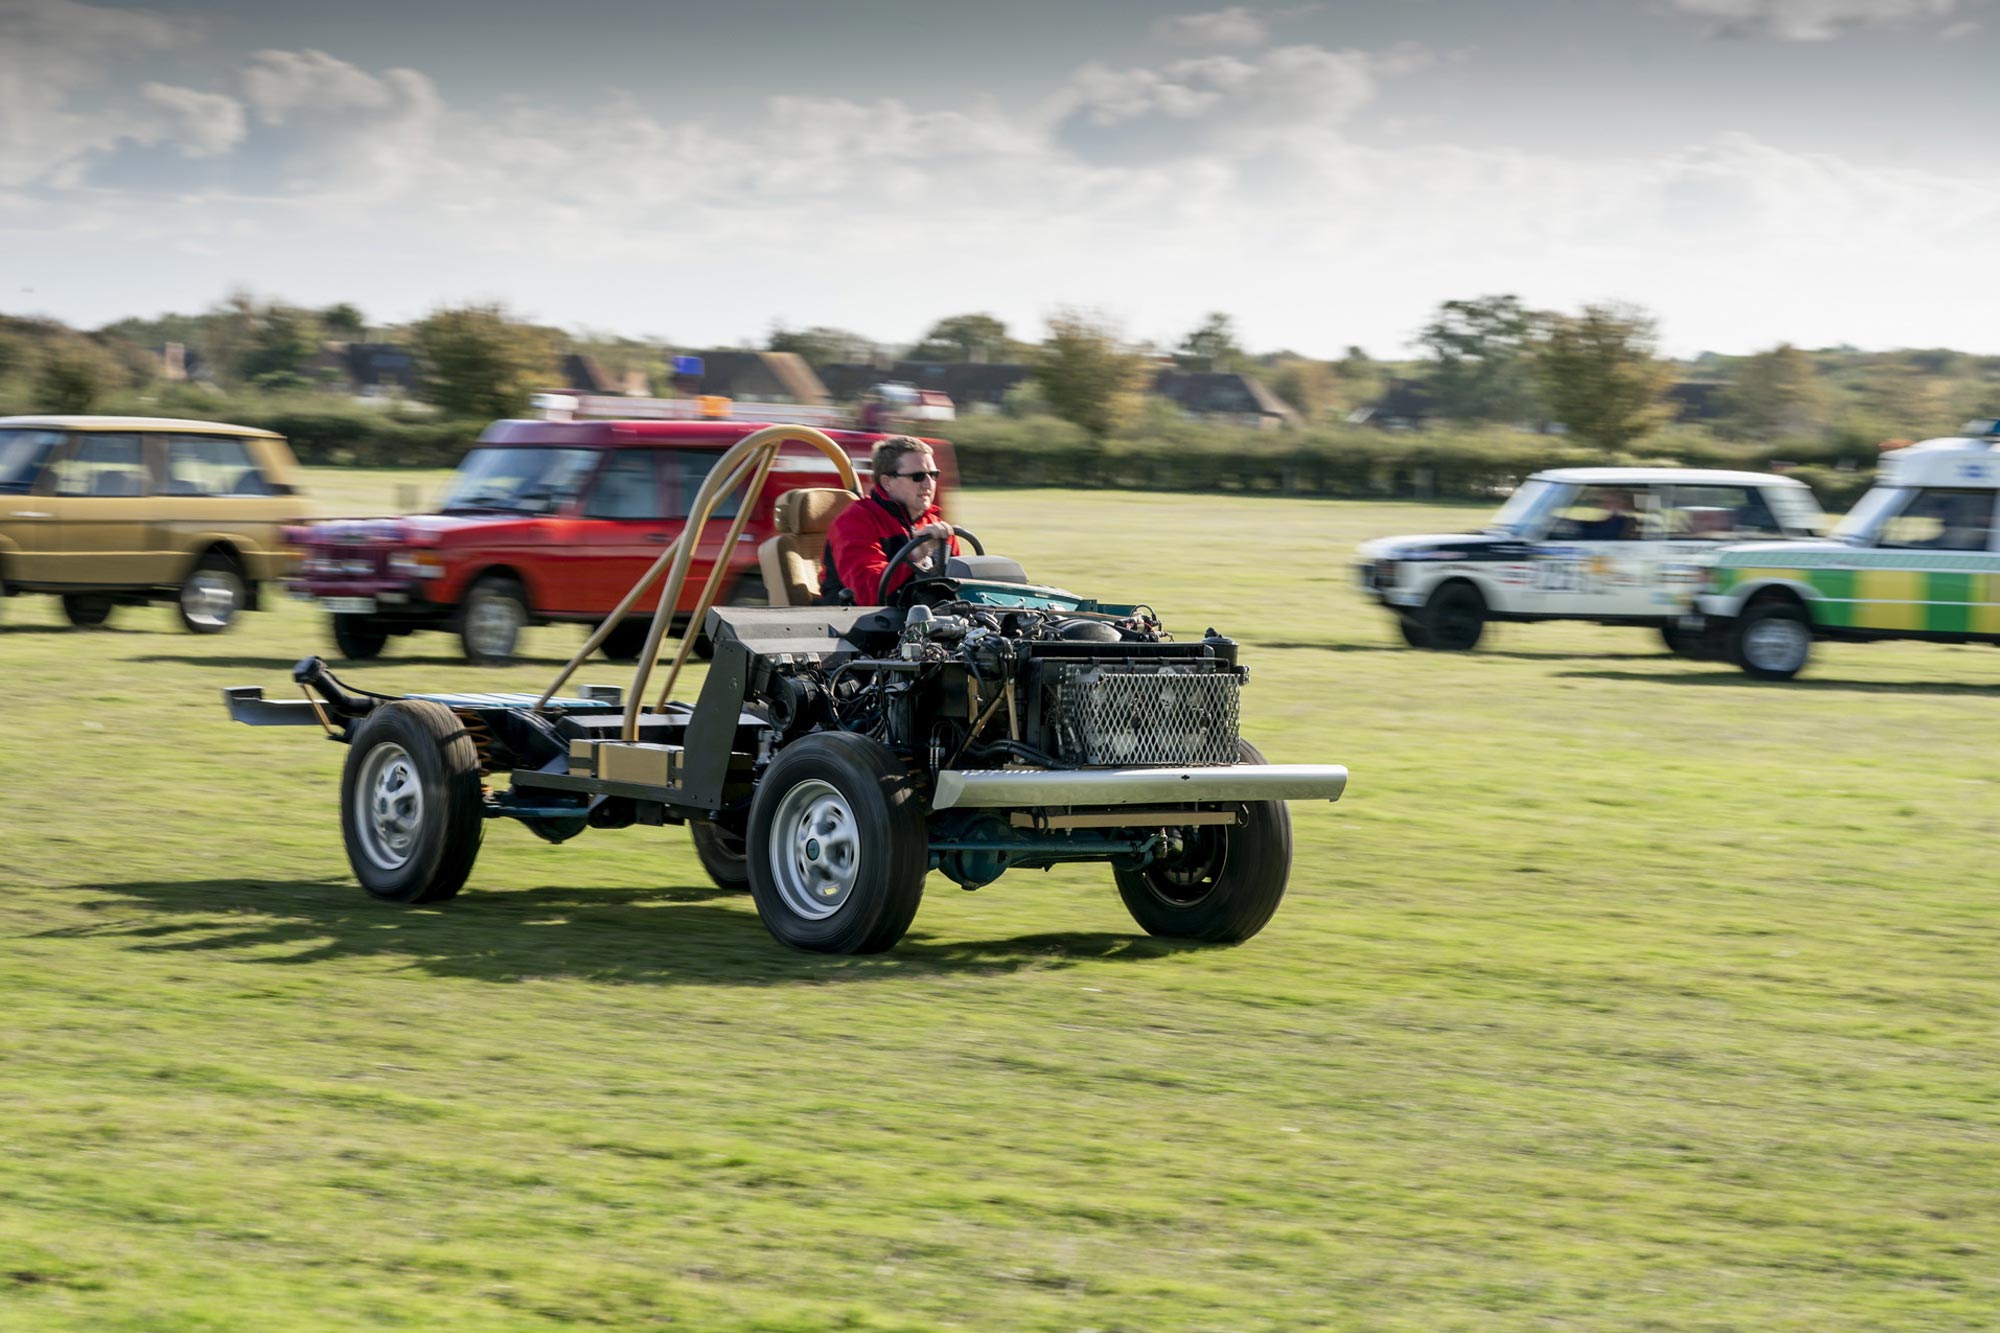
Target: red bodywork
416,570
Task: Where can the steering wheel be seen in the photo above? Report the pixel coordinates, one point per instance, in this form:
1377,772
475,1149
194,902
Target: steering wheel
908,554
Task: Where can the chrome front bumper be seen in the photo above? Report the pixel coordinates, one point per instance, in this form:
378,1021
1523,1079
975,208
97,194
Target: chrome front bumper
1026,788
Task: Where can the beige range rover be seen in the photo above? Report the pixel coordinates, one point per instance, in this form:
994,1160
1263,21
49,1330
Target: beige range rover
105,511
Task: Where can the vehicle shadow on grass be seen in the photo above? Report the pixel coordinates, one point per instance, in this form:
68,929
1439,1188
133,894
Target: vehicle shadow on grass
673,936
343,664
1821,684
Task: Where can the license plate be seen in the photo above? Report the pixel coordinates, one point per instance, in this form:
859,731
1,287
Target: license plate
361,606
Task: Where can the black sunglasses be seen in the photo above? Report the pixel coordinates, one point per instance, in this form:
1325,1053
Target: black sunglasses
918,476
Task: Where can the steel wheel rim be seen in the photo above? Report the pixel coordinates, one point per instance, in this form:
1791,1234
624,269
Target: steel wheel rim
492,626
815,850
391,797
1191,876
211,597
1776,644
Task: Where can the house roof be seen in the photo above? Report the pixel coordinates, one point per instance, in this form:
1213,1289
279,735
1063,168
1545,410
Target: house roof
734,373
964,381
1221,393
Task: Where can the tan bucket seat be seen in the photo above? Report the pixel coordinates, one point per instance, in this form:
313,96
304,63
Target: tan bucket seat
791,560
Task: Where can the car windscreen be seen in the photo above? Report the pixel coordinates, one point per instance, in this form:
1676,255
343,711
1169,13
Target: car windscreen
1798,509
1868,511
1527,510
523,481
22,453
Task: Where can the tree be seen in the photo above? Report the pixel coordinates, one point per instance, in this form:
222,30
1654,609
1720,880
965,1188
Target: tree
343,320
1361,378
477,362
1601,376
1481,366
1212,346
1775,394
821,345
1313,387
978,337
227,329
73,376
1085,375
281,341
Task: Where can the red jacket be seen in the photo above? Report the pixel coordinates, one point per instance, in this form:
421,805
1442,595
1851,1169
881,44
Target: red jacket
860,542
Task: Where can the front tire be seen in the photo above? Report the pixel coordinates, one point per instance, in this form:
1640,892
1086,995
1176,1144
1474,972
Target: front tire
1225,882
359,638
86,610
748,591
213,596
1454,618
410,805
1413,633
491,621
837,849
1772,641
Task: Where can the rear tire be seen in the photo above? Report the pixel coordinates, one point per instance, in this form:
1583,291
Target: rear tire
410,805
86,610
837,849
748,591
359,638
1694,647
491,621
213,596
1454,618
723,855
1772,641
1227,880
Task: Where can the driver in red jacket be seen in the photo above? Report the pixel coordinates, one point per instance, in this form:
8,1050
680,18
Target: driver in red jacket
901,506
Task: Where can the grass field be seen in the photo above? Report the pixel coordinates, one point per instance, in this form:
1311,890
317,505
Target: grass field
1620,993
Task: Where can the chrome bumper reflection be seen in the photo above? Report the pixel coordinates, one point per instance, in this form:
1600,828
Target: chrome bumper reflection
1024,787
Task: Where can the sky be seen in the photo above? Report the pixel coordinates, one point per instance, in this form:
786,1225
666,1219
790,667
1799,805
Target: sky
1820,172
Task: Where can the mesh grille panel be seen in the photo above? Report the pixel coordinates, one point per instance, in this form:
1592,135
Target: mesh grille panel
1129,718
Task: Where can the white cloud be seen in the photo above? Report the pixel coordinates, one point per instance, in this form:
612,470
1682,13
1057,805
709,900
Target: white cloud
203,124
1234,26
279,83
340,129
1810,20
1276,100
1244,183
52,52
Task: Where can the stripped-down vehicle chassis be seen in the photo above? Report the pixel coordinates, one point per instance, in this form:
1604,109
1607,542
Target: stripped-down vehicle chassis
836,755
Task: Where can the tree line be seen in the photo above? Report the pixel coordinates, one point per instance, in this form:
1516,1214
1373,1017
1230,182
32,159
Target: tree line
1490,362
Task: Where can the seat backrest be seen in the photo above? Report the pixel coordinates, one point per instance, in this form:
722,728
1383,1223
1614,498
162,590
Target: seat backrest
791,560
117,482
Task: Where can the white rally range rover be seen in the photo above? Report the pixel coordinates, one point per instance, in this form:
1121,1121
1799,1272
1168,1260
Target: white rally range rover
1619,546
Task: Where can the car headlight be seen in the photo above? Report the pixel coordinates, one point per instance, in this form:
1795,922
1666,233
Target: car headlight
416,564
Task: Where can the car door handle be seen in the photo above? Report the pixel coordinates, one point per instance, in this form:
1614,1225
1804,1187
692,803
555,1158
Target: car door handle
658,538
32,513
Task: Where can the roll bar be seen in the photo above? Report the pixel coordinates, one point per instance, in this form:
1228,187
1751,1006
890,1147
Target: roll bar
748,461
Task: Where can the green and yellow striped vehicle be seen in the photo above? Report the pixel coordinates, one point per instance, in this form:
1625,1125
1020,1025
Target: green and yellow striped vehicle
1918,558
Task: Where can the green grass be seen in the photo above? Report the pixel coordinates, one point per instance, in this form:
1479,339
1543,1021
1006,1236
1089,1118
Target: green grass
1620,993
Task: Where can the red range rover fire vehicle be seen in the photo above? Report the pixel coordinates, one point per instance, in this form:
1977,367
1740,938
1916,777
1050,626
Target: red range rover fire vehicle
550,521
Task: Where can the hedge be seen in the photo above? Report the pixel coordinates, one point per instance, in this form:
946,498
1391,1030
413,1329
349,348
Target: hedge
1163,455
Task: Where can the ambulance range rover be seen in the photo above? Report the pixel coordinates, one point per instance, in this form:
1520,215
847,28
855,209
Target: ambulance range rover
1619,546
1918,558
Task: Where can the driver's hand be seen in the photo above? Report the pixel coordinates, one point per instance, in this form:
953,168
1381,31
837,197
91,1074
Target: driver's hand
935,531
